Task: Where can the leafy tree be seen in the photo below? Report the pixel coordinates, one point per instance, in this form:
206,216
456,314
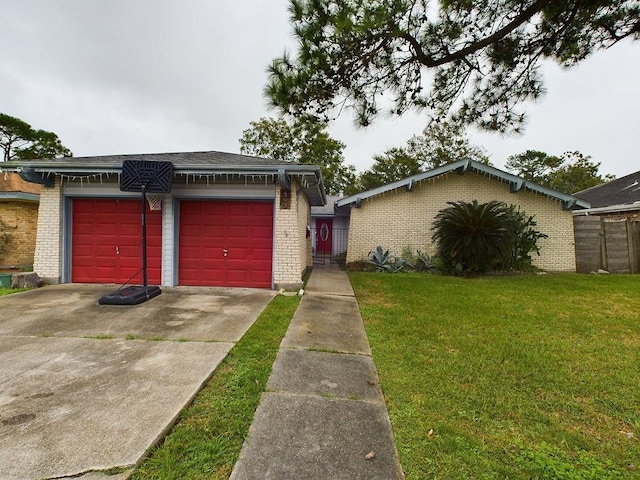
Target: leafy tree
19,140
533,165
577,173
442,143
474,60
303,141
394,164
439,144
568,173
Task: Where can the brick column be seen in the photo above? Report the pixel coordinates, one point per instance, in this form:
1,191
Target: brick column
47,262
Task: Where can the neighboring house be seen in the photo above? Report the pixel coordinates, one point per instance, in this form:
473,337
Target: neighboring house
329,232
608,234
230,220
401,214
18,219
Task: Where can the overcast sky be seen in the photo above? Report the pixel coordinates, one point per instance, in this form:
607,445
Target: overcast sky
144,76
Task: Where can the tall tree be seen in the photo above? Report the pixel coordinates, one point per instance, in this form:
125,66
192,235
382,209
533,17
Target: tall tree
577,173
303,141
439,144
394,164
569,173
473,60
19,140
444,142
533,165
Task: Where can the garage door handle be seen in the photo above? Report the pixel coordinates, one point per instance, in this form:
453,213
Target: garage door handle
117,250
225,252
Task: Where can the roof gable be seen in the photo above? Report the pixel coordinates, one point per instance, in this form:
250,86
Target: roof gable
462,166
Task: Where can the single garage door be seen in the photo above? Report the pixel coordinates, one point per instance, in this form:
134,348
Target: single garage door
106,241
226,243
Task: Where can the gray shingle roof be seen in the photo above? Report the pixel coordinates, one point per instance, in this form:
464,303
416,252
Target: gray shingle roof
621,191
179,159
215,163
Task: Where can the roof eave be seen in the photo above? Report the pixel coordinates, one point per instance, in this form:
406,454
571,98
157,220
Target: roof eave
19,197
309,176
462,166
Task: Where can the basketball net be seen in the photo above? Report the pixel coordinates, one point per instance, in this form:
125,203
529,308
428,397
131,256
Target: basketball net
155,202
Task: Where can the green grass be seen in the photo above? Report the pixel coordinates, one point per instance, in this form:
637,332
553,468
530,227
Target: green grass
9,291
206,441
514,377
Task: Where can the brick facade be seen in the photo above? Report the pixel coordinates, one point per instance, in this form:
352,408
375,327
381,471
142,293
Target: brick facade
399,218
21,218
19,212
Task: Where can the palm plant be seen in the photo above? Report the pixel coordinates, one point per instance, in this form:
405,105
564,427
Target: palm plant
473,237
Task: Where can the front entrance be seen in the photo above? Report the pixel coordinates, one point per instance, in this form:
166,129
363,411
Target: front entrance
329,242
324,235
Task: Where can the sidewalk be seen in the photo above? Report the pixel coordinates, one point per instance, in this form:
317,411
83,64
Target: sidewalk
323,415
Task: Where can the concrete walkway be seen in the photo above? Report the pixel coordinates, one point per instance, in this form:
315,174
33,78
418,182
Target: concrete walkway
323,415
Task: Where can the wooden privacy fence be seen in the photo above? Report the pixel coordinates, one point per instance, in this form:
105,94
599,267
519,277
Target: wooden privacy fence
607,243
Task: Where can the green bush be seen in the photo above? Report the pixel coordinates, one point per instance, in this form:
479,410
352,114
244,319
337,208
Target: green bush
477,237
525,241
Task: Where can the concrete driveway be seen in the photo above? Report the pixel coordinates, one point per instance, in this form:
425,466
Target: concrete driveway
86,388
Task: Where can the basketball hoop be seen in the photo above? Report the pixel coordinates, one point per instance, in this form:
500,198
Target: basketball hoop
155,202
146,177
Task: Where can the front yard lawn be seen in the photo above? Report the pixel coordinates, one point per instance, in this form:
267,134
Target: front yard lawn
508,377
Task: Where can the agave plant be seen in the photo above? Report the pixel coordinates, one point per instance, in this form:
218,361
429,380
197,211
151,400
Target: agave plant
474,237
423,262
385,261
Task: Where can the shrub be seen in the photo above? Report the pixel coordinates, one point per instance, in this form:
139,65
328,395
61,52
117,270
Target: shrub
473,237
477,237
418,261
385,261
525,242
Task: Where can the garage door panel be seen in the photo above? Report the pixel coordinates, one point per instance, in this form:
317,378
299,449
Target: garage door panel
106,243
262,254
243,228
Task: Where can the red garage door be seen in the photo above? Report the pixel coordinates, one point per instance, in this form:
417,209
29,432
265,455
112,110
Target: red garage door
225,243
106,241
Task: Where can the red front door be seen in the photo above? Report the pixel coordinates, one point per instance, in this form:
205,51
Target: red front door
324,233
106,241
226,243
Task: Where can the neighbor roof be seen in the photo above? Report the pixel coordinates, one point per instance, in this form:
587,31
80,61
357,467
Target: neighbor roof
330,209
186,163
462,166
621,191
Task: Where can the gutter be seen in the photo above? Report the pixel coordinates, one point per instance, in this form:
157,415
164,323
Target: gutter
19,196
609,209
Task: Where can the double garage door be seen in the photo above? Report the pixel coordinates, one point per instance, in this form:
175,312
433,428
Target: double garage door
220,243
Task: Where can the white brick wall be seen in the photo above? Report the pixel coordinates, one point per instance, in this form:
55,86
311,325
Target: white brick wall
399,218
47,261
291,248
